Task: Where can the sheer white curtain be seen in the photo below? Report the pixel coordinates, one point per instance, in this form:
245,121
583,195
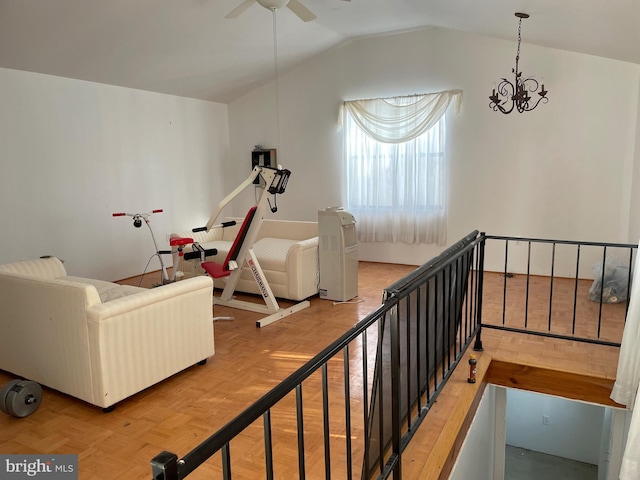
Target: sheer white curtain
625,390
395,164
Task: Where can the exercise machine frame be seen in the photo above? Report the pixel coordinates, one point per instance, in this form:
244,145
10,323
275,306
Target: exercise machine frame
275,182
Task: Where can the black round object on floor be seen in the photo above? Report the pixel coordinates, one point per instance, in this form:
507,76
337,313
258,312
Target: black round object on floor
20,398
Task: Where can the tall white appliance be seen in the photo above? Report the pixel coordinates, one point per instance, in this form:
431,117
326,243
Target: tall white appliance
338,252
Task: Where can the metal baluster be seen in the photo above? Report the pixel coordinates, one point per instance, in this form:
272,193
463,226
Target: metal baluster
604,262
575,291
428,352
407,310
396,433
419,345
526,295
365,399
325,415
347,410
553,264
268,446
300,423
504,282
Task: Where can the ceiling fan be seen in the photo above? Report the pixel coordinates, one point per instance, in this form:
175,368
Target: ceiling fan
295,6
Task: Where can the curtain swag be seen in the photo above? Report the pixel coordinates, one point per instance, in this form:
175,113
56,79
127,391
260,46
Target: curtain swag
392,120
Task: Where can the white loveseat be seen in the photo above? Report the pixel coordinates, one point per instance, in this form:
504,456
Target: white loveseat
287,251
99,341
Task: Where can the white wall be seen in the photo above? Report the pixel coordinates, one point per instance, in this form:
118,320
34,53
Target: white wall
634,216
475,459
574,430
562,171
74,152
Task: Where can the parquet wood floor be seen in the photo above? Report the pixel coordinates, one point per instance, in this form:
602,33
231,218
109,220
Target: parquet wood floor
551,300
179,413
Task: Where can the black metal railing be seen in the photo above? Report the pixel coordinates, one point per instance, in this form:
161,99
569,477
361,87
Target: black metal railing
360,412
363,397
563,289
432,324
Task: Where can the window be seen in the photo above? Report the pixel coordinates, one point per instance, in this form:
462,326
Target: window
395,168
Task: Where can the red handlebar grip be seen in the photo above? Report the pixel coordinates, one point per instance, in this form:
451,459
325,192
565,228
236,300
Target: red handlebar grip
157,211
119,214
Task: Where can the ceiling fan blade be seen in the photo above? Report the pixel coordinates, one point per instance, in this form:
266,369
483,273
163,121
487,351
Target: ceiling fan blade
301,11
240,8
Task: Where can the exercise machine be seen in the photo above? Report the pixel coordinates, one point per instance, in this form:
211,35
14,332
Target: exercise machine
177,246
179,243
177,249
241,253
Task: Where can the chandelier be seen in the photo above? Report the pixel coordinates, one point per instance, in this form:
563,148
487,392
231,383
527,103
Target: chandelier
507,96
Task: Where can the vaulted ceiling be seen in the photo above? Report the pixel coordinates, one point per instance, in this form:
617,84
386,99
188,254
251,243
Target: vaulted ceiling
188,48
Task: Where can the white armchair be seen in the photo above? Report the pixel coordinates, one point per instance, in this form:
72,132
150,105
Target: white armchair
287,251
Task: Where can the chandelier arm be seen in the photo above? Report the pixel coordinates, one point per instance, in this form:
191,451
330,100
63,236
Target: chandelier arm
541,99
506,90
499,108
531,84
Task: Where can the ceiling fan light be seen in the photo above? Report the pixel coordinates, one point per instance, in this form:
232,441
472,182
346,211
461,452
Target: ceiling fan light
273,4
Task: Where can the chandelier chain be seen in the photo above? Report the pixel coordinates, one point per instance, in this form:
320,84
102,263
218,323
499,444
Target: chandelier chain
519,38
